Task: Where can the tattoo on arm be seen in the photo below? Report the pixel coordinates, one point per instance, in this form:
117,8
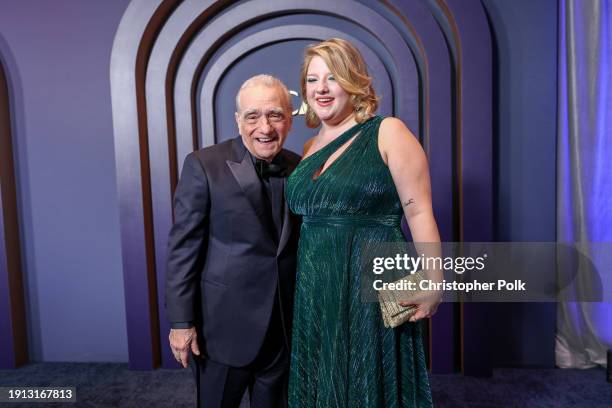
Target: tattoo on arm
410,201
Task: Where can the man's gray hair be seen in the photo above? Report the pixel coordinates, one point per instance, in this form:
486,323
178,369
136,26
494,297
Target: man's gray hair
268,81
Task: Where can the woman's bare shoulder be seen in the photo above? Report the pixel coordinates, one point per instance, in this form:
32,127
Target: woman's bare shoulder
394,136
392,128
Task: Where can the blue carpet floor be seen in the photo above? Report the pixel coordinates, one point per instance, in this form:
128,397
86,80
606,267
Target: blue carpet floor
113,385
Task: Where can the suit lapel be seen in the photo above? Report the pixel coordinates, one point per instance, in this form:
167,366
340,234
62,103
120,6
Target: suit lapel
243,171
286,229
247,179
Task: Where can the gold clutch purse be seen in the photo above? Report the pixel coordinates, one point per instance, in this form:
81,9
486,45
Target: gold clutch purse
393,313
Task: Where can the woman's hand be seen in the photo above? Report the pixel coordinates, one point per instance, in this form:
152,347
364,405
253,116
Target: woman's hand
426,303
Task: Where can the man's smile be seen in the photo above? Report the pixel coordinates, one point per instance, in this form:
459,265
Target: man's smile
266,139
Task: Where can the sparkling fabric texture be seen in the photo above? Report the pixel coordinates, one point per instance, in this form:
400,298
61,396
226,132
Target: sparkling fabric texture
342,355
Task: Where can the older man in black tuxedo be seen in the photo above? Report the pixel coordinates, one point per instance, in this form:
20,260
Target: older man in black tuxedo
231,256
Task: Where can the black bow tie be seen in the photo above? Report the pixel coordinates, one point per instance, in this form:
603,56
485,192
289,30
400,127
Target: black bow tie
267,170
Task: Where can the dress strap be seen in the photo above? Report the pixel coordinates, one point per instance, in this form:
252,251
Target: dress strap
335,144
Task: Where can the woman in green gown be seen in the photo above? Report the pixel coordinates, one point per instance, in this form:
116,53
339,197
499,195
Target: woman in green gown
359,175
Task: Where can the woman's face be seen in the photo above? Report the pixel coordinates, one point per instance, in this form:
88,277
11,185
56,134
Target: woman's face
324,95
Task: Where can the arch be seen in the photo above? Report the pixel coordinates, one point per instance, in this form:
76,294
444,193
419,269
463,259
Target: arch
466,29
13,331
230,56
161,55
182,117
210,38
131,48
438,144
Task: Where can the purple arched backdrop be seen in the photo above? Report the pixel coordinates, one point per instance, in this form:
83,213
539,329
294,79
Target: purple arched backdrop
75,266
168,134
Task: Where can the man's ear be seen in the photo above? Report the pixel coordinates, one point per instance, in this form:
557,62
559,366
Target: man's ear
237,117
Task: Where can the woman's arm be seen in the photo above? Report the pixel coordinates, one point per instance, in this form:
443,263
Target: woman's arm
404,156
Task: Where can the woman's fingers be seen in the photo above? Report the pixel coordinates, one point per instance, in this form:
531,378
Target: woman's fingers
420,314
424,311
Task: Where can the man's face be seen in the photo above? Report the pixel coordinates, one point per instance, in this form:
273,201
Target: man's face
264,120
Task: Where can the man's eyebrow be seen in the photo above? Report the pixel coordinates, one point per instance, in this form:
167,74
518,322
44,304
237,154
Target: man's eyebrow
250,112
279,111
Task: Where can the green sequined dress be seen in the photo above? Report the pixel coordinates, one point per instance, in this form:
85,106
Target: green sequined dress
341,354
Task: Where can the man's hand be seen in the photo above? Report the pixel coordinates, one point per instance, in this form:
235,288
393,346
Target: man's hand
181,340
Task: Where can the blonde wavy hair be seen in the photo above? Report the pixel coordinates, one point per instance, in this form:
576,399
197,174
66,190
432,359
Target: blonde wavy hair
351,73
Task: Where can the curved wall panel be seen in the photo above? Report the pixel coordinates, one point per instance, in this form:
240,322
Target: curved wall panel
213,110
175,63
436,110
13,332
466,30
131,50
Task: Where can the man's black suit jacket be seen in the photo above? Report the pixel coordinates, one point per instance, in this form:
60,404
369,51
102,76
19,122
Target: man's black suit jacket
224,262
